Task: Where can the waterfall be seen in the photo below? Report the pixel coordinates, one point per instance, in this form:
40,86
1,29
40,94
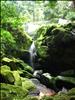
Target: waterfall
32,51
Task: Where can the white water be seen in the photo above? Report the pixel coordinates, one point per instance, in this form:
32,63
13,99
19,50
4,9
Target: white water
32,51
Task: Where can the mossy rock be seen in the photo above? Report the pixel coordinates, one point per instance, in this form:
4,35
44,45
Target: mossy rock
71,91
27,84
17,78
26,74
11,92
6,75
5,67
55,46
16,64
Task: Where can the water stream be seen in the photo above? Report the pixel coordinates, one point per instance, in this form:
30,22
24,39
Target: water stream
32,51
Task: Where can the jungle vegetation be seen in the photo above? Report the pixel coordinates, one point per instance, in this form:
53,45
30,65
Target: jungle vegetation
47,72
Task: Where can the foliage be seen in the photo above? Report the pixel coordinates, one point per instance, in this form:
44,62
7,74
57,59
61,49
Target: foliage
34,11
13,39
30,98
7,41
10,92
14,14
10,13
12,32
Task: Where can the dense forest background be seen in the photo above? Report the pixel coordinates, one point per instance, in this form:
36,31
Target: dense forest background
37,50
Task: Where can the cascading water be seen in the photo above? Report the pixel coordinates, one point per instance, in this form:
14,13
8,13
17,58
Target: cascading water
41,89
32,51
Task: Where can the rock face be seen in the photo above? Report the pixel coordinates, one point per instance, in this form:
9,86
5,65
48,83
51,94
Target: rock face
56,48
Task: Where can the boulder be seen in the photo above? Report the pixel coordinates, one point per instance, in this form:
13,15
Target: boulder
6,75
56,48
27,84
16,63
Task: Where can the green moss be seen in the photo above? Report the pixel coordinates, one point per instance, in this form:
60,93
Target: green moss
17,78
11,41
4,67
7,74
42,37
61,97
26,66
27,84
42,51
71,92
30,98
12,92
47,98
26,74
16,64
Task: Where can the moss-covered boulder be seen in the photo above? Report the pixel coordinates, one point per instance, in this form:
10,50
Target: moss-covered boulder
16,64
19,90
10,77
6,75
11,92
27,84
58,82
17,78
56,48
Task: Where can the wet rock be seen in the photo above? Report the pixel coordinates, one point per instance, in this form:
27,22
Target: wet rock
41,90
38,73
34,93
35,81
